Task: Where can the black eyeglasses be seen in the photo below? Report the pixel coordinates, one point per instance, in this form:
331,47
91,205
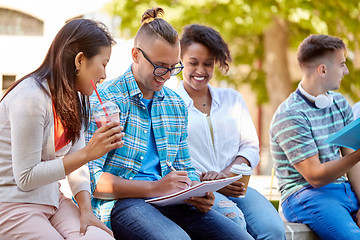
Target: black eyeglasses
160,70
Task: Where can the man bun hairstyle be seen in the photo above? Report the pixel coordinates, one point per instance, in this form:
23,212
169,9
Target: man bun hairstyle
316,46
210,38
152,26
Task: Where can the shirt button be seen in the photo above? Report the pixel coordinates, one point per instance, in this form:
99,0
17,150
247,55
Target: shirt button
145,131
130,178
144,108
142,157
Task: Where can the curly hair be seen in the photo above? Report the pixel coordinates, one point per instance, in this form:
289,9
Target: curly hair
210,38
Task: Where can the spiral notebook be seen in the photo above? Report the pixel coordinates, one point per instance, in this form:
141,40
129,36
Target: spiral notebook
194,191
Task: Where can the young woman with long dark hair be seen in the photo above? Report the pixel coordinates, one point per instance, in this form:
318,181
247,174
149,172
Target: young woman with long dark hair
42,119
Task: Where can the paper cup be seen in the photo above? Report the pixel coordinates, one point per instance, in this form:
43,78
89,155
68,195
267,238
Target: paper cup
245,171
112,111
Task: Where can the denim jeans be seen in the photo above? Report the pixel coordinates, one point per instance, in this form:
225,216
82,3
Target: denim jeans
329,210
262,219
229,209
136,219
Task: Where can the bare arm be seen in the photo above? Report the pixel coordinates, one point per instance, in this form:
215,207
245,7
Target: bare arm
237,160
87,218
113,187
319,174
213,175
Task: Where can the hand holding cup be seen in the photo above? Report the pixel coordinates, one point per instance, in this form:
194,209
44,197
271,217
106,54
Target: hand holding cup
108,136
245,171
106,112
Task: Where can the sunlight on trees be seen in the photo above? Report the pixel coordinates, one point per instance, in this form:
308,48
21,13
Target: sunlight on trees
261,34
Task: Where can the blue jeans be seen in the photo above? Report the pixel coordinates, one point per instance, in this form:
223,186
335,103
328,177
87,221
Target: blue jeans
136,219
229,209
329,210
262,219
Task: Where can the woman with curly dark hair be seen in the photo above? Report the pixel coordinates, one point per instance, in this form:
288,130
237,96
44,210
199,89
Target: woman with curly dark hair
221,133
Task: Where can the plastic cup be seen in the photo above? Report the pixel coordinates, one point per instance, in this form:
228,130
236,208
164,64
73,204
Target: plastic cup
275,203
245,171
112,113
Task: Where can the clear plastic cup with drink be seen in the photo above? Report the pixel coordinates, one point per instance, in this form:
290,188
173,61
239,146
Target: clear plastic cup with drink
106,112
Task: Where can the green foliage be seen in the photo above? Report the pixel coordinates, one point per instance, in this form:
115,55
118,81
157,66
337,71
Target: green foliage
242,23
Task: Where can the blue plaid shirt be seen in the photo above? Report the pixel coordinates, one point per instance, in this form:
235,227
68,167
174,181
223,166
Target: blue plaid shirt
169,120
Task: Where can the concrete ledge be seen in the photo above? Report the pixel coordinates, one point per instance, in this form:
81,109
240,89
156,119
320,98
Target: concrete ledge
298,231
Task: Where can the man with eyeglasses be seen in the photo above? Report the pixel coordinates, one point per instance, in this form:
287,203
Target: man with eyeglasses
155,125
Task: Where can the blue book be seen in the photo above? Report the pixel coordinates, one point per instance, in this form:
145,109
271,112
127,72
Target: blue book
348,136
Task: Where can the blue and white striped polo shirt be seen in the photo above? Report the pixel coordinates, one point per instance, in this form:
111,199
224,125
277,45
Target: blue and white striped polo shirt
297,132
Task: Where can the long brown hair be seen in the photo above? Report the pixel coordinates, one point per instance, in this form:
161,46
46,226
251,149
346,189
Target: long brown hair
58,69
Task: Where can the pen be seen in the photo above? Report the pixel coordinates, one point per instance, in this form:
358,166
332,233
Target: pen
168,163
170,166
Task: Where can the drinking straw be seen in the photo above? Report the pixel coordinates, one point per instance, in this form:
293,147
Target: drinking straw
93,85
272,180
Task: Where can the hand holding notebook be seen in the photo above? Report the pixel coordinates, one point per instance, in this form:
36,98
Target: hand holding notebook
198,190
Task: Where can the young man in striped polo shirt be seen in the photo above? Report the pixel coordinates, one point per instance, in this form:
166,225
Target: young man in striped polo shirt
318,182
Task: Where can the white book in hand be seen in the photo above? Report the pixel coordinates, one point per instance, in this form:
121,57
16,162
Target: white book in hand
348,136
198,190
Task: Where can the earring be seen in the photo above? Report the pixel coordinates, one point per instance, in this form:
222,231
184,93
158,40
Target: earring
77,72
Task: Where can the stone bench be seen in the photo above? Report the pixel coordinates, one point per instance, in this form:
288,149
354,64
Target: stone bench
299,231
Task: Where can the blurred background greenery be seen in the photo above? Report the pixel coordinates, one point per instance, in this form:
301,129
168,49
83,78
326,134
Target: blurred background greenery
260,33
263,36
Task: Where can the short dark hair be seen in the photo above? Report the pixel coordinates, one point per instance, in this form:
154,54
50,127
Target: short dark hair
209,37
152,25
316,46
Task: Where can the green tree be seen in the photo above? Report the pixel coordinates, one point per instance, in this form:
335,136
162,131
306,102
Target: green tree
260,34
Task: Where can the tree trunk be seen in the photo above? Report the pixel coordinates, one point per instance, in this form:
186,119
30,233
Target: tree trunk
278,80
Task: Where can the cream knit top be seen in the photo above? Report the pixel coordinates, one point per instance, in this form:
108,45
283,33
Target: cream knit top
29,166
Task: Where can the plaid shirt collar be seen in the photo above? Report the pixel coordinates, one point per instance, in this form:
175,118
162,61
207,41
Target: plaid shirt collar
133,87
